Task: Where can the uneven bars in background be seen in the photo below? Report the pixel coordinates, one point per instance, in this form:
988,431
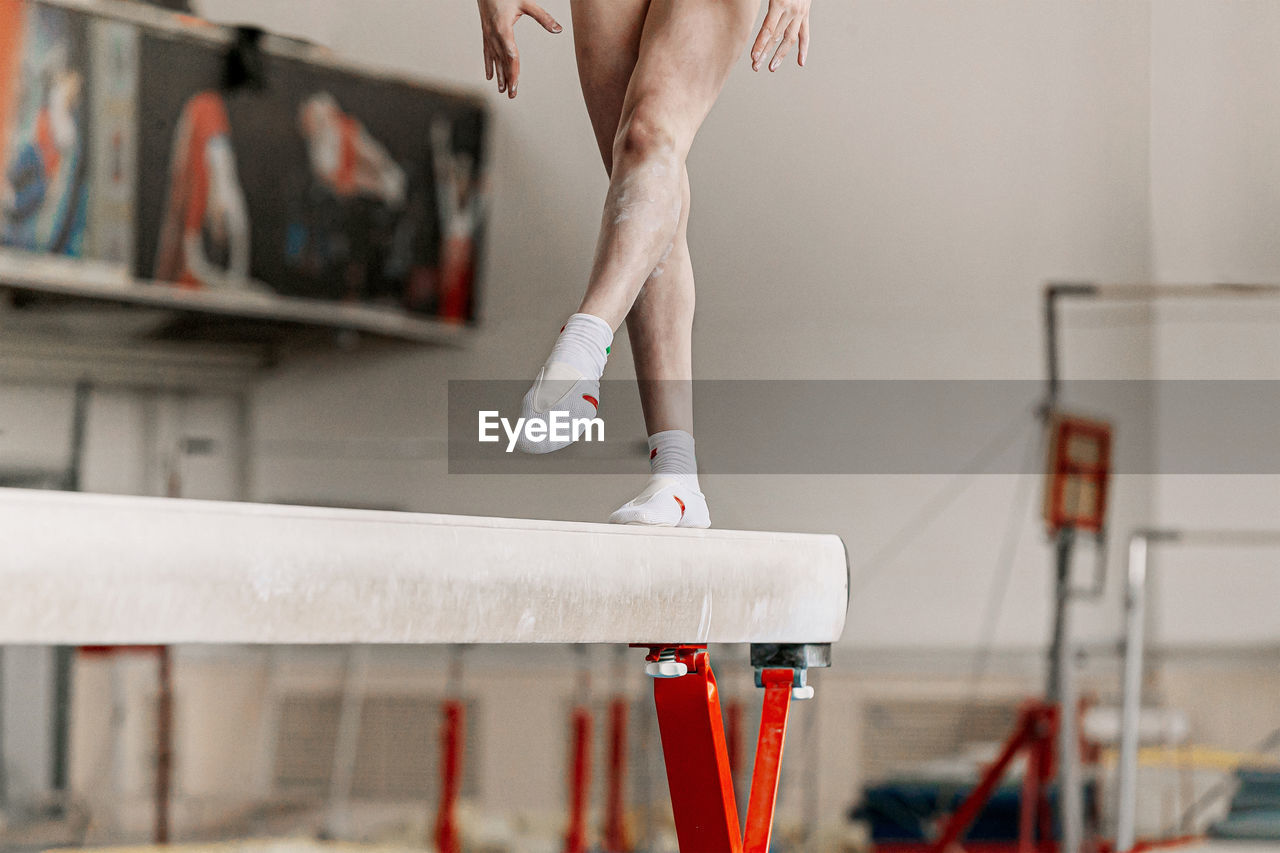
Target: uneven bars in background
1140,544
1127,292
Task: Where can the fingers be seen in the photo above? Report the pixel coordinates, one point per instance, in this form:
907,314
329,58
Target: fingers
501,57
542,16
506,60
509,60
785,26
494,67
789,39
513,72
769,34
499,64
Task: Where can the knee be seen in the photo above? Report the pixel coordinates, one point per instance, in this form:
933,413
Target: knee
645,135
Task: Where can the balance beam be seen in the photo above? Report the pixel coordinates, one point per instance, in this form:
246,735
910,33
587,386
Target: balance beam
80,569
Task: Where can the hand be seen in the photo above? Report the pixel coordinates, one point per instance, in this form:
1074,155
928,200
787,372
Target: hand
786,24
497,23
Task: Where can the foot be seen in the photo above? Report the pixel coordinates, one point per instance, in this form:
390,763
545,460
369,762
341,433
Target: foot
560,394
566,393
665,502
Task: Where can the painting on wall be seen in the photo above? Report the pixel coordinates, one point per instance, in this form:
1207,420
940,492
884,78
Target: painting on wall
322,184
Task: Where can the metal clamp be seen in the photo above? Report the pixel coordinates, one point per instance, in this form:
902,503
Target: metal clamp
665,666
797,657
669,661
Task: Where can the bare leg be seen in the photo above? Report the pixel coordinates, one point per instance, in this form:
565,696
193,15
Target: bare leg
660,327
608,38
606,41
687,48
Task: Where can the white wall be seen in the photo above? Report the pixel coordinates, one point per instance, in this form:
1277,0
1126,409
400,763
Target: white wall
1215,193
134,439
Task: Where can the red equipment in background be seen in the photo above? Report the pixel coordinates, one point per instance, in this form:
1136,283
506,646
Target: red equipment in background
615,822
1034,733
1079,466
575,837
453,726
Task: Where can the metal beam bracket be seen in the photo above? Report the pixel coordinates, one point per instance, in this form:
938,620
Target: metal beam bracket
696,753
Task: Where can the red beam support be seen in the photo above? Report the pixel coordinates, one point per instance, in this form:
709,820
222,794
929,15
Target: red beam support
764,778
697,758
453,726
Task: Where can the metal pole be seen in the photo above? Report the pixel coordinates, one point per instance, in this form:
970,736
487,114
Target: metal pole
269,731
1053,368
1061,690
4,756
64,656
1134,615
1146,292
164,743
1069,774
1051,349
354,688
1063,543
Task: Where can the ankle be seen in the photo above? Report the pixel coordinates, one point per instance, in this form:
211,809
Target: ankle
671,456
584,342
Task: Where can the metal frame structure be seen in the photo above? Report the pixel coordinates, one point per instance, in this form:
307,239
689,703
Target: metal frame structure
1061,686
1137,572
1055,291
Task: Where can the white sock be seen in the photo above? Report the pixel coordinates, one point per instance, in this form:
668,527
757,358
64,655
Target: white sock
671,455
569,381
672,497
584,343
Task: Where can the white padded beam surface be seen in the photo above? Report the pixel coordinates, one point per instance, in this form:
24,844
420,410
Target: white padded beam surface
90,569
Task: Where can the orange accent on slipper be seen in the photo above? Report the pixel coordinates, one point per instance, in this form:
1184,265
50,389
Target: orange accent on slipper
677,497
592,400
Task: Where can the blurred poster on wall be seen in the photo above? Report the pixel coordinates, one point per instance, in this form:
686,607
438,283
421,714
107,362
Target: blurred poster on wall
323,185
44,93
328,184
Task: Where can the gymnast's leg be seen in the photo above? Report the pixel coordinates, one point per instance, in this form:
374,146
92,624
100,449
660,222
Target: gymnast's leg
607,41
660,327
682,58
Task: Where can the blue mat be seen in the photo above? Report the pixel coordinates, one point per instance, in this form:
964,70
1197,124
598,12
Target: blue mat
1255,808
